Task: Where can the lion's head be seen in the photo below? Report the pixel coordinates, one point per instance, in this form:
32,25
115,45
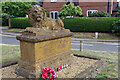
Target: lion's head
36,14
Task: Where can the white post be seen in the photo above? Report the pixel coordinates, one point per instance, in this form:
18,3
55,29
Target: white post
96,35
26,16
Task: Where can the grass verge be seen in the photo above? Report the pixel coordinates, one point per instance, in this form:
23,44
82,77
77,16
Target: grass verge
15,30
111,36
111,70
10,53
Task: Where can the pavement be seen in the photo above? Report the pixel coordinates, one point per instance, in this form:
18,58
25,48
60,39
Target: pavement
8,33
95,40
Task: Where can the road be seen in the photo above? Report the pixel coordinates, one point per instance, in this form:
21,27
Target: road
75,45
95,46
11,40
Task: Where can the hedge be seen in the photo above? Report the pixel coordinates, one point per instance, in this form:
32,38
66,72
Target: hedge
76,24
116,27
20,22
90,24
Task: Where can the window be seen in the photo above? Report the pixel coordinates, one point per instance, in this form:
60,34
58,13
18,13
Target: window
54,14
53,0
91,11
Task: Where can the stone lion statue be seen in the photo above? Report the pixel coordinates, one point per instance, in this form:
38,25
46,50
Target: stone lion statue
38,19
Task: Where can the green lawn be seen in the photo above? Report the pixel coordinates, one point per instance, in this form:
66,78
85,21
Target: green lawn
10,53
15,30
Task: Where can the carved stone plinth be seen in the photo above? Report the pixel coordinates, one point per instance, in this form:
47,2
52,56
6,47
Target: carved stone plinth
43,51
46,44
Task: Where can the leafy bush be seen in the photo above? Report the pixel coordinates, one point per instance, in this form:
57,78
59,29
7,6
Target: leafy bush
118,13
5,17
47,13
99,14
70,10
116,27
17,8
20,22
90,24
119,10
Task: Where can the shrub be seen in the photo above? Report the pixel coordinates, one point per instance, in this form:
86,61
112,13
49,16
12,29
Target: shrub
117,15
70,10
5,17
90,24
47,13
20,22
116,27
119,10
99,14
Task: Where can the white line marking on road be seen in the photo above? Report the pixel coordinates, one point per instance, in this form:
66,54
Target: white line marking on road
7,35
83,44
118,46
87,41
90,50
95,42
111,43
95,50
75,49
9,45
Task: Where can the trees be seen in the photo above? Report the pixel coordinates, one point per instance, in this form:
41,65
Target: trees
17,8
70,10
5,17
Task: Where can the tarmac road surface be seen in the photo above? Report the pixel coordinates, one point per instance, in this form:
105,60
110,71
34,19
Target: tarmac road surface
75,45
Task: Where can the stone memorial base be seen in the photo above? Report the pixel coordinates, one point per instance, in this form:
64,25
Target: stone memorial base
42,51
